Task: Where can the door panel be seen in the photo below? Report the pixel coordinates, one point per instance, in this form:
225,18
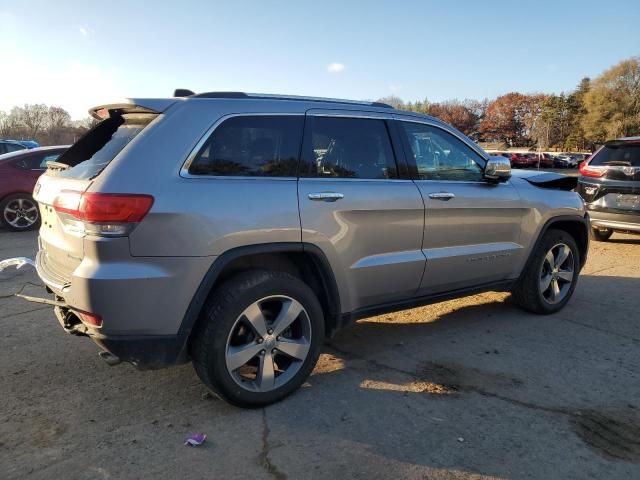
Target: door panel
369,228
371,237
472,238
472,228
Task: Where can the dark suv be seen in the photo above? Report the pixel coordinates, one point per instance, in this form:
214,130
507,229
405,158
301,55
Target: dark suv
610,186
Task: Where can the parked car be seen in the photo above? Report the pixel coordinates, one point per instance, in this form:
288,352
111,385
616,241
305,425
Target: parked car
243,248
543,160
8,146
610,185
564,161
520,160
19,172
29,143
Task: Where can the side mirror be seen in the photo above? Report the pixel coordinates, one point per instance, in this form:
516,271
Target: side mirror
497,169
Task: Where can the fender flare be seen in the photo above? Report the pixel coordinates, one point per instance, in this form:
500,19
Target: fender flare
581,220
219,264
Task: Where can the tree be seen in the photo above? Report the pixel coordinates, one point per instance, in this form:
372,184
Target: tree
394,101
4,124
612,103
455,113
33,118
57,119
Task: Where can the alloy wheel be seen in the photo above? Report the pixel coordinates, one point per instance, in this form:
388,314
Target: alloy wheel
21,213
268,343
557,273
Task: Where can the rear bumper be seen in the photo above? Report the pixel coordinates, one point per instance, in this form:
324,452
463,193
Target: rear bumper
147,352
134,296
615,221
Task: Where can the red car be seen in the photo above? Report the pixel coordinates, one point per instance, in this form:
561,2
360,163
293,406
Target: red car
545,160
520,160
19,172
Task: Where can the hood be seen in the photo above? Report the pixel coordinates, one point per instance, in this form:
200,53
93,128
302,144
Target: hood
541,179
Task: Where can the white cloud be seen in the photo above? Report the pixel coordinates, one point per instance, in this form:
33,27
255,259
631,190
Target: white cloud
335,67
84,30
395,89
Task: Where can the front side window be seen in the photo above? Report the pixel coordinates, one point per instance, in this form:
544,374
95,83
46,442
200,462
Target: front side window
341,147
252,146
438,155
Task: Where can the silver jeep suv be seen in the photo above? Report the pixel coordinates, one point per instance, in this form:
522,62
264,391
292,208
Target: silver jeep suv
238,231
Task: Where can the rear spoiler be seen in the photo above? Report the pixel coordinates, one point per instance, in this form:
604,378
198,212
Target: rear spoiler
133,105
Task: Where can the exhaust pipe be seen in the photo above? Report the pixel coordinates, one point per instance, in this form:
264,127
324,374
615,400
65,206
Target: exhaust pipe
109,358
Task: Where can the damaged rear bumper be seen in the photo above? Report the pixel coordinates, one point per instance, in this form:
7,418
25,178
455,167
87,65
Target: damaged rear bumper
146,352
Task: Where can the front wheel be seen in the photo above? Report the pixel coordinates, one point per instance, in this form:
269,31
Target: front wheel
551,276
259,338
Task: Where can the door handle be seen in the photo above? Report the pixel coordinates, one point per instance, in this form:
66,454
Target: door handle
444,196
326,196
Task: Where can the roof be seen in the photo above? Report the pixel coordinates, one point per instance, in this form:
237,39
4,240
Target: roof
159,105
270,96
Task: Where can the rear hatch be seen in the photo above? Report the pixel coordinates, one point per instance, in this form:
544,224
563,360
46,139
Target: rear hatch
62,236
610,180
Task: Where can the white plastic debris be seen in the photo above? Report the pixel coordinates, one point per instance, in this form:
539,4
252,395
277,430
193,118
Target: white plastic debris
19,262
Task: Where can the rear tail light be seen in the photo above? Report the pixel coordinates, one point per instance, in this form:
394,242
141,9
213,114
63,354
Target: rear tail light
90,319
588,171
105,214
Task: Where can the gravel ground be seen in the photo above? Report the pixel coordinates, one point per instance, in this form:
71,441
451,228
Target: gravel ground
471,388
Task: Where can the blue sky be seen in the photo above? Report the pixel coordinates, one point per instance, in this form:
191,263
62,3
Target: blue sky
80,53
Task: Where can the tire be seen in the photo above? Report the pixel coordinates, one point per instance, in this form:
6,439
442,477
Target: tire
224,334
19,212
546,268
601,234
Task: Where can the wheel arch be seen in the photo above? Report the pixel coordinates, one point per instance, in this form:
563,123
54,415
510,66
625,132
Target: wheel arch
302,260
574,225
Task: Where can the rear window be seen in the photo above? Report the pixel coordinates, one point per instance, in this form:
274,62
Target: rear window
623,154
93,152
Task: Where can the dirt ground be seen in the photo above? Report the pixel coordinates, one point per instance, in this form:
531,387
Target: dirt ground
471,388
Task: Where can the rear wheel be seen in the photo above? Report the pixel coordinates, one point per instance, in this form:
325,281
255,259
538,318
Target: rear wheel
601,234
259,338
551,276
19,212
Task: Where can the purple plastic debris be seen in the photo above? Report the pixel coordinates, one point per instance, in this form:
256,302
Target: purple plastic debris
195,440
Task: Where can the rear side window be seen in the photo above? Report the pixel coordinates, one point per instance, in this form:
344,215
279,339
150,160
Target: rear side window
625,154
93,152
341,147
36,161
252,146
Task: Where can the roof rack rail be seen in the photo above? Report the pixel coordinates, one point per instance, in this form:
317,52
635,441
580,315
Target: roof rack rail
266,96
